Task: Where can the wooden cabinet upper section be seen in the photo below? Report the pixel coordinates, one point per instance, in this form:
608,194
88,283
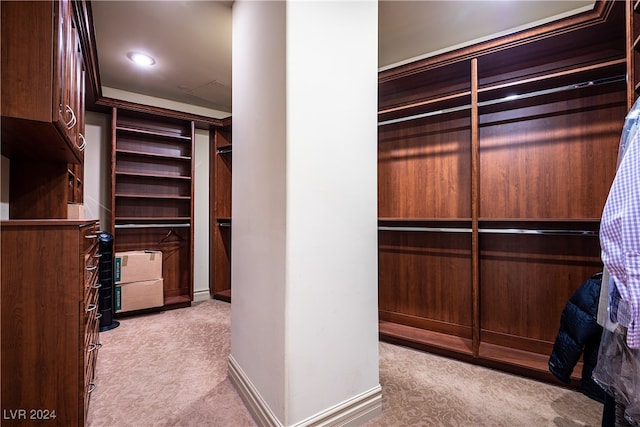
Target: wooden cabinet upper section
43,81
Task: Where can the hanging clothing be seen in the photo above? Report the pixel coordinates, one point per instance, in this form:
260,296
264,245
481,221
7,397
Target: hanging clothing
618,367
579,335
620,242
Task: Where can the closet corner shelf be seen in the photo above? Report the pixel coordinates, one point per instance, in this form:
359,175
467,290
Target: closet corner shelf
153,133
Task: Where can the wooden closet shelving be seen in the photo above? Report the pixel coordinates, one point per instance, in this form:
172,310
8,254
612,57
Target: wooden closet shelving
494,163
220,187
152,194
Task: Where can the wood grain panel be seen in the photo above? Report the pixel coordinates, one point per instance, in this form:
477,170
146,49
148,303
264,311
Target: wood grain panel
424,168
38,189
550,157
222,260
526,280
439,82
43,319
222,182
220,221
427,275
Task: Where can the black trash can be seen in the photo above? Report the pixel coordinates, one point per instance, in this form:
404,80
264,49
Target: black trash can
106,291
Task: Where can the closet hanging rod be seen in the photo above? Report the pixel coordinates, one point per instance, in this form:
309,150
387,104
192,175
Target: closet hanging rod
436,229
152,225
526,95
539,232
589,83
423,115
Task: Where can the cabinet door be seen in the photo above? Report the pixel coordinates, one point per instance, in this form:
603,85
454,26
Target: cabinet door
69,80
63,108
78,92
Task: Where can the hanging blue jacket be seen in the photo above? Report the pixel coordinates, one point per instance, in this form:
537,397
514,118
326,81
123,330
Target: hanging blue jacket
579,334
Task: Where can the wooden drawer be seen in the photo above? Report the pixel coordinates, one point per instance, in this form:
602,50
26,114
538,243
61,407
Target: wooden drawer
58,251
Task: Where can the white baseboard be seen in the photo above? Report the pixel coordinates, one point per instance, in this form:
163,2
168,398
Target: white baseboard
201,295
352,412
259,409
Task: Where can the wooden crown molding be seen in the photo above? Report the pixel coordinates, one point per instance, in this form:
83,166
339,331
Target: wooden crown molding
598,15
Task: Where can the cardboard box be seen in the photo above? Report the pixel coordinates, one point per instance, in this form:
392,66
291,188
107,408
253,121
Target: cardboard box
75,211
136,266
138,295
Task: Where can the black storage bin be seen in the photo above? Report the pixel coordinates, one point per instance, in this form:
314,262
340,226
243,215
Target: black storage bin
105,269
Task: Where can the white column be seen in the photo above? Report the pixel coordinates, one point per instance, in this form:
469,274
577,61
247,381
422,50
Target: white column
304,331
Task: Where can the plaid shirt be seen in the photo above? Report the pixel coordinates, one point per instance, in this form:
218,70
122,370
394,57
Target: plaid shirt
620,241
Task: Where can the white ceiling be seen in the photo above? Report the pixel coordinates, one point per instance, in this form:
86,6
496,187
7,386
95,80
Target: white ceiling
191,40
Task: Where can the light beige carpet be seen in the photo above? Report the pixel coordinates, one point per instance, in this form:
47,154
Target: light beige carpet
170,369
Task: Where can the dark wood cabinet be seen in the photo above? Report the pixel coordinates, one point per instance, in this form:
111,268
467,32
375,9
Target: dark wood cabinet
49,335
494,163
220,223
43,106
42,82
152,194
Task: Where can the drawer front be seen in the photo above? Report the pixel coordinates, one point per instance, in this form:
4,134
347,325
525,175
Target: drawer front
90,320
89,238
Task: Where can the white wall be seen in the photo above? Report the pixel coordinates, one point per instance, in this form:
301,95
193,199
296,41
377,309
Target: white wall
201,215
332,251
304,328
97,168
259,197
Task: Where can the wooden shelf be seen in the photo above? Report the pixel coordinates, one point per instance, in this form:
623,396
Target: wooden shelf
152,175
153,218
145,154
152,192
436,342
152,133
153,196
489,212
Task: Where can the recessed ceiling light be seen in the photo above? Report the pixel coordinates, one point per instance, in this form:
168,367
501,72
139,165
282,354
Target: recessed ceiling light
141,59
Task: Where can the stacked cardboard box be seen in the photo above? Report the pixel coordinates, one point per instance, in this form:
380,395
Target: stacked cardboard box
138,280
